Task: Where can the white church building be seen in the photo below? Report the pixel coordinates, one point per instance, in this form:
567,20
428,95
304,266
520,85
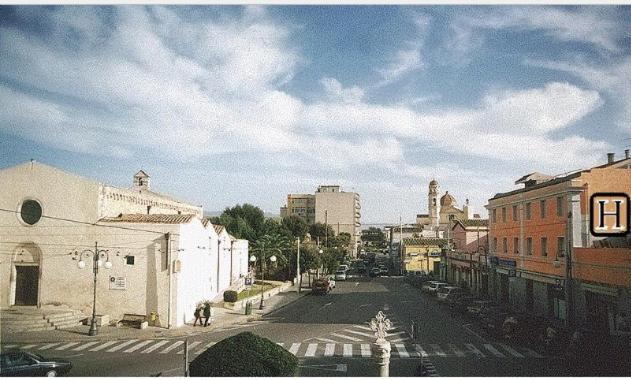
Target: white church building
155,254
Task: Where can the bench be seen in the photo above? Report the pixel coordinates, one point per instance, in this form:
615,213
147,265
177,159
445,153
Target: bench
133,320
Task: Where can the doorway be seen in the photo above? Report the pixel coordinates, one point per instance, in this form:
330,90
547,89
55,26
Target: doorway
26,285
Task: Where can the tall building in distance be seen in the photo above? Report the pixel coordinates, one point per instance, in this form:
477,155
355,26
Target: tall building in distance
330,205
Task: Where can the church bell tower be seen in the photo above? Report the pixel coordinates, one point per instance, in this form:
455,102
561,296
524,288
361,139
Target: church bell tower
433,206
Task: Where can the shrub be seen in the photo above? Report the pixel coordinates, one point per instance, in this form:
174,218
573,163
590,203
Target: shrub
244,354
230,296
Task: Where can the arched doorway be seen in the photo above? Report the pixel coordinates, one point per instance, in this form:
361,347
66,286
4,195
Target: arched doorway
25,275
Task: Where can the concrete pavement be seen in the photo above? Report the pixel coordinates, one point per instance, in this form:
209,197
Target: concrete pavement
222,318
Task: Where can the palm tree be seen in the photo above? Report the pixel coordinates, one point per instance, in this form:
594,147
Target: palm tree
273,244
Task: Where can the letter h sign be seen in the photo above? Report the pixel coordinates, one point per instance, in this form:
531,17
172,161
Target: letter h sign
609,214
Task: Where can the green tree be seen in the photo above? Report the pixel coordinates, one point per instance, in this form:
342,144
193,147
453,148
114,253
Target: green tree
296,226
242,222
273,244
321,231
374,236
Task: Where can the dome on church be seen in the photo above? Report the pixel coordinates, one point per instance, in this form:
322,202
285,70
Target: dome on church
433,183
447,200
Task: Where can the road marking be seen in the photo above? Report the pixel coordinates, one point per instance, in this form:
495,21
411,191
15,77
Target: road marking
155,346
473,349
311,349
116,348
403,353
84,346
456,350
172,347
346,337
473,332
325,305
139,345
329,349
494,351
511,351
327,340
364,305
207,346
67,345
28,346
420,350
46,347
438,350
190,346
281,344
397,333
360,333
363,327
532,353
294,348
365,350
348,350
400,340
13,345
104,345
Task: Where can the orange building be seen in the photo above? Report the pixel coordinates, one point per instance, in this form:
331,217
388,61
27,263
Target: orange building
533,231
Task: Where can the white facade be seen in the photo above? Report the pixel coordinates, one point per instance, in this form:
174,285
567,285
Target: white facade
164,258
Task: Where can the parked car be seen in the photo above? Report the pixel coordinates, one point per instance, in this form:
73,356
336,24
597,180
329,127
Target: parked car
460,302
433,286
384,270
374,272
343,267
321,286
448,292
492,319
477,306
340,275
22,363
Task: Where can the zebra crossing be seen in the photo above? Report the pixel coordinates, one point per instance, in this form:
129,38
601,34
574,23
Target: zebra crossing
363,333
400,350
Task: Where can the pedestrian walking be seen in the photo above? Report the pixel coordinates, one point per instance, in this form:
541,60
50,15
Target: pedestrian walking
207,313
198,315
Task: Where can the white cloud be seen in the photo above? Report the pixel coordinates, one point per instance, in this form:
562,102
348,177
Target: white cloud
612,79
403,62
336,92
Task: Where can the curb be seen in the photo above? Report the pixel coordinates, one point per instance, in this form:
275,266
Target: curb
288,303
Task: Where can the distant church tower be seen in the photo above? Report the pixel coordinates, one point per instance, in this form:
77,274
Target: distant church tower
141,181
432,205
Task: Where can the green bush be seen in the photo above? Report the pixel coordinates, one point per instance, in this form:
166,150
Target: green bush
230,296
244,354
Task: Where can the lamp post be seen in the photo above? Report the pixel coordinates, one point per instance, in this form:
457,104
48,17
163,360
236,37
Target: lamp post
298,274
253,260
96,264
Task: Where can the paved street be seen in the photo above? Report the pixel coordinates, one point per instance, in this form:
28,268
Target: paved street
330,335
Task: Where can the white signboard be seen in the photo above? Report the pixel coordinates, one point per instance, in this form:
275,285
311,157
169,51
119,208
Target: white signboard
118,283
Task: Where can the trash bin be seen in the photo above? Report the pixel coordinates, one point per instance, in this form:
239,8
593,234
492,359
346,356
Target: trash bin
248,308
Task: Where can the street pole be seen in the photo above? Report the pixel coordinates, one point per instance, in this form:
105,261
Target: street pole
95,268
262,305
326,228
298,268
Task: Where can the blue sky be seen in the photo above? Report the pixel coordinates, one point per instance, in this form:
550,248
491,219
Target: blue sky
232,104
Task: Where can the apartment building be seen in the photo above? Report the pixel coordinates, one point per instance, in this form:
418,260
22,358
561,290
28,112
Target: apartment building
544,258
330,205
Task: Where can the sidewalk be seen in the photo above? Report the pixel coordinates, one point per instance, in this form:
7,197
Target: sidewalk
222,318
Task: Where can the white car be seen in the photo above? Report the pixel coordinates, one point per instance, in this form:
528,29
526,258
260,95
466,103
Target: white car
340,275
433,286
343,267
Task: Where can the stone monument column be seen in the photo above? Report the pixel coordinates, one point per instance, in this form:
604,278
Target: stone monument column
381,347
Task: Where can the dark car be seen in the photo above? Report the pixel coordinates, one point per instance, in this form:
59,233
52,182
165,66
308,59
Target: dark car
374,272
460,302
321,286
21,363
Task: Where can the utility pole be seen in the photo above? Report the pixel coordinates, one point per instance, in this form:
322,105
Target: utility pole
299,279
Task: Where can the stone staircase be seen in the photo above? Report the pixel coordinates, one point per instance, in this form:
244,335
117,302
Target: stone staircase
24,319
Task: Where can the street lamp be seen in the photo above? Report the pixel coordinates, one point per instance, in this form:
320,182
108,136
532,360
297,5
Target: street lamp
97,262
272,259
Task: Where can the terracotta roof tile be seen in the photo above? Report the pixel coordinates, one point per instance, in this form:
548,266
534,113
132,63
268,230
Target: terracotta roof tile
219,228
150,218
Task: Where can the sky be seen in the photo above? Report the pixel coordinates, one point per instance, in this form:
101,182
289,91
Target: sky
225,105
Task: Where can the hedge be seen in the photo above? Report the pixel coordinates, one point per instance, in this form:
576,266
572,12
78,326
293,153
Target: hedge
230,296
244,354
